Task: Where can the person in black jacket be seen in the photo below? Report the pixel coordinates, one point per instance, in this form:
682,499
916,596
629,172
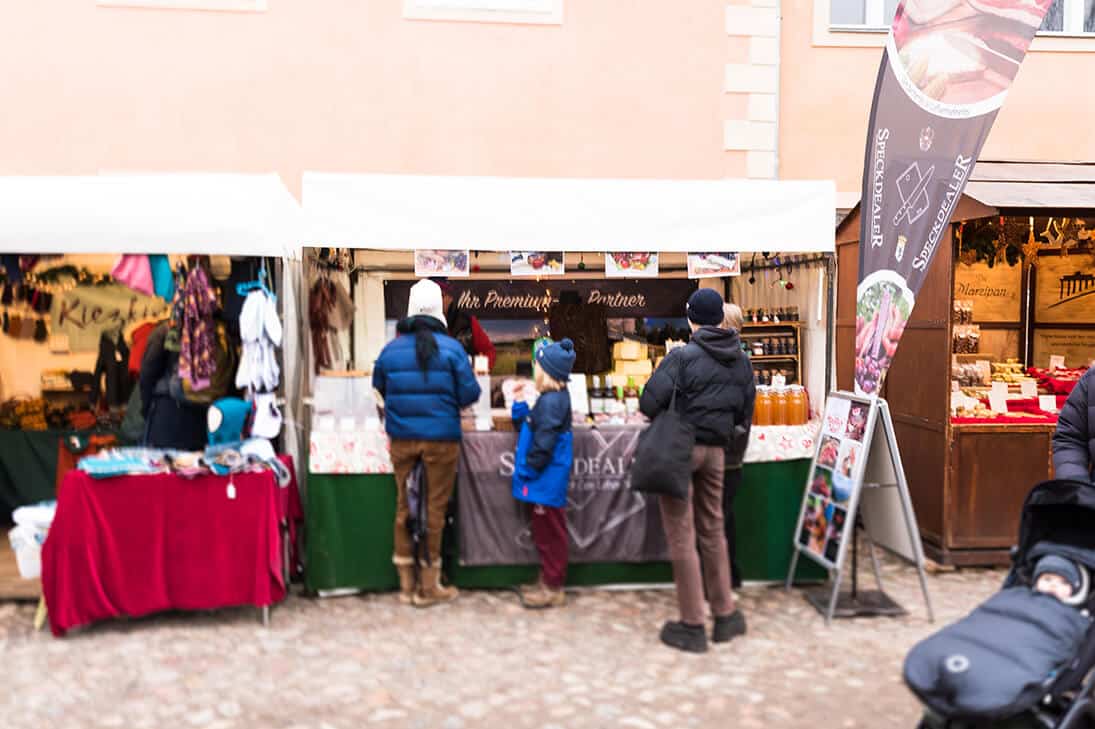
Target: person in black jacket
168,423
714,383
1074,441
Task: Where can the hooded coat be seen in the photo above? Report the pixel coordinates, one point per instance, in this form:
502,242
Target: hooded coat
714,383
1074,441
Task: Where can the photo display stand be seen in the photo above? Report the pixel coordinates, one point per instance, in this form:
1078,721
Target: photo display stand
856,482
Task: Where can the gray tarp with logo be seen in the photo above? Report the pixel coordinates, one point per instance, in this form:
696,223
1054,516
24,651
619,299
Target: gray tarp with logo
607,521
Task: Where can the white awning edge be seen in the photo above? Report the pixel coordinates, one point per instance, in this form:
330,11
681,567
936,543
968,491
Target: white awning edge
182,213
402,212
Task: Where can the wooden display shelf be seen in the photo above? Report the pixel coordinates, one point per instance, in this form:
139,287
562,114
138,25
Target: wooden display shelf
771,324
774,358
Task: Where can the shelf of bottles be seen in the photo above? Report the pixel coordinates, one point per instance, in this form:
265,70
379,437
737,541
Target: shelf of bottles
774,341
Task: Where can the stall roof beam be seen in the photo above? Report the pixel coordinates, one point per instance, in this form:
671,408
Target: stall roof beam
226,214
401,212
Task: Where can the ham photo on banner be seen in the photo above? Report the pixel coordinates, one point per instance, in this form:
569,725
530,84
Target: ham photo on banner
945,72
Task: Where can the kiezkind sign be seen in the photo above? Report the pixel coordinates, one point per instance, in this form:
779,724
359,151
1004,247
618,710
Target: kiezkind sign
945,72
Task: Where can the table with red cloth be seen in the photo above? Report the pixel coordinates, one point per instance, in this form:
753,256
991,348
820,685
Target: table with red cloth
1030,405
1059,382
1038,418
136,545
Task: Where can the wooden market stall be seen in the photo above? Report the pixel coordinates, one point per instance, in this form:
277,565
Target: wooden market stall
977,323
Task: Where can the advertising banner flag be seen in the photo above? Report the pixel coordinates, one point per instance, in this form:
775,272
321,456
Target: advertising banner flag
945,72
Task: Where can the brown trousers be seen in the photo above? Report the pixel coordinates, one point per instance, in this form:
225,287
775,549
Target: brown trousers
439,458
698,520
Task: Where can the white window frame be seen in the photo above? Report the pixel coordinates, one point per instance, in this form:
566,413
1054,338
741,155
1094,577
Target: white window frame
483,11
867,36
235,6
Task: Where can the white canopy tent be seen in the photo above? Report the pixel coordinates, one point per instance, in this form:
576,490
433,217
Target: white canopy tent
401,212
405,212
222,214
216,214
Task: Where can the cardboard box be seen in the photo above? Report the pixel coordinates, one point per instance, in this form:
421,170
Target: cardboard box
629,350
642,367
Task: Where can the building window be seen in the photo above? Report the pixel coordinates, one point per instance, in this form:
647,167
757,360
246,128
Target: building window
247,6
541,12
1067,17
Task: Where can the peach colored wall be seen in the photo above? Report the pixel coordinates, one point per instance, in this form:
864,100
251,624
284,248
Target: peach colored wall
825,97
621,88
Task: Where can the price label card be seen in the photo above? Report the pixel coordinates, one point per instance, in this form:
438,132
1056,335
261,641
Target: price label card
1056,362
779,381
1000,388
1028,388
954,386
1047,403
998,403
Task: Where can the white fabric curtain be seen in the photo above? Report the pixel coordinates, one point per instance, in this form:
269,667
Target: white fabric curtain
294,367
810,295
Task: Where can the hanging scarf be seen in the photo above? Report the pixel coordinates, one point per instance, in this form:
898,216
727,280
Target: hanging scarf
197,361
321,302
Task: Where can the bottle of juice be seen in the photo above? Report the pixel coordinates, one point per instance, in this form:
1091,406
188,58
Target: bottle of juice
762,407
780,407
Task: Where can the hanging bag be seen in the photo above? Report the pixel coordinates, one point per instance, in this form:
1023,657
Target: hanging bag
663,454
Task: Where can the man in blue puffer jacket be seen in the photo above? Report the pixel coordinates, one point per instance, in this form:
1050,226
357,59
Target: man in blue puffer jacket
426,380
1074,441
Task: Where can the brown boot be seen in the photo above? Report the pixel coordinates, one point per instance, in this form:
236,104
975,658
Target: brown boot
430,591
545,597
406,583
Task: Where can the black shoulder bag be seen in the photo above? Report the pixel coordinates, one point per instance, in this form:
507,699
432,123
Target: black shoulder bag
663,454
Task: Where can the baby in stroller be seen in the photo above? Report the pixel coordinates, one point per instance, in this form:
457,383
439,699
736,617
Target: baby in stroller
1023,657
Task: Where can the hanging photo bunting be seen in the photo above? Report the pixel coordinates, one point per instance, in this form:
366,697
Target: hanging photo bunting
631,265
536,263
713,265
441,263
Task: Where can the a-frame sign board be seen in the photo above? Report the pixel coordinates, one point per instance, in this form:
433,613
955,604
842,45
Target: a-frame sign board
856,478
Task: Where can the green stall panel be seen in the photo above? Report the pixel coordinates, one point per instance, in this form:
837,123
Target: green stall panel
349,532
766,512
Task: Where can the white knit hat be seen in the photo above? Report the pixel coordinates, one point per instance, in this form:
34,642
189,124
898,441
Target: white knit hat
426,300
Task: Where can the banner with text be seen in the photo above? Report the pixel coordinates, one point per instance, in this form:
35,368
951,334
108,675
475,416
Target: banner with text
944,75
606,520
532,299
85,312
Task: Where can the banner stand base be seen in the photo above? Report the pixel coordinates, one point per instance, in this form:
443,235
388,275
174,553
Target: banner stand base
866,603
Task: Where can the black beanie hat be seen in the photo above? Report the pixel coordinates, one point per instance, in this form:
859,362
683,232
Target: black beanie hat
705,308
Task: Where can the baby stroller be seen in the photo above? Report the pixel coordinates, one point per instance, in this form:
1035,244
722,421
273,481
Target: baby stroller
1022,658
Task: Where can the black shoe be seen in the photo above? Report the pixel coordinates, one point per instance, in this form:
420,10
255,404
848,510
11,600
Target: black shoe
728,627
681,636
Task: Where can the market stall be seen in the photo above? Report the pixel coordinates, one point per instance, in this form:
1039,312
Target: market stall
132,272
1002,331
623,309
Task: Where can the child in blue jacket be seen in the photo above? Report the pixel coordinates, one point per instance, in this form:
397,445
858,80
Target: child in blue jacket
545,453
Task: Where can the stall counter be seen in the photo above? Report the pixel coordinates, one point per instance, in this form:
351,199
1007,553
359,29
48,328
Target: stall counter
350,520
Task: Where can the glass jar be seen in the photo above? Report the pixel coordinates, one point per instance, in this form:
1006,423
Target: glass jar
758,347
762,409
800,408
780,407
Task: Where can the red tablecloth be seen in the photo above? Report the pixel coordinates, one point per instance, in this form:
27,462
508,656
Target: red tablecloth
1042,419
135,545
1029,405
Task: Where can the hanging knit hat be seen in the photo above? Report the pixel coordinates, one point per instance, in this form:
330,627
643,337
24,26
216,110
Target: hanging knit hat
557,359
227,419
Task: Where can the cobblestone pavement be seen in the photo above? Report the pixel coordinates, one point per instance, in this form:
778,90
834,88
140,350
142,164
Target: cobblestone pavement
484,661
